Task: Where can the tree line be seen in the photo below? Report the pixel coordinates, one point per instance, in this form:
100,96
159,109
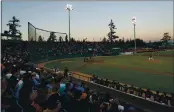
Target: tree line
14,34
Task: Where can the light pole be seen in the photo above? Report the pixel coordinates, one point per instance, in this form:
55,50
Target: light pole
134,23
69,8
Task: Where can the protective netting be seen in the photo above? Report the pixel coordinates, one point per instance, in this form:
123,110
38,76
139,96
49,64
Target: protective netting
37,34
31,32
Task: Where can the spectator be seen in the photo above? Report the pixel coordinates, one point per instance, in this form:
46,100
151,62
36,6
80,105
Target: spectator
125,87
131,109
35,79
118,86
77,103
106,82
148,94
164,98
157,97
25,92
172,99
131,89
113,84
53,103
140,92
94,103
19,86
66,72
113,107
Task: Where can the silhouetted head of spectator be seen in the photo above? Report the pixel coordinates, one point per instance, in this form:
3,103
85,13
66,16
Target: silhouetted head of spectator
33,75
58,79
132,109
107,97
94,98
164,93
15,71
68,86
157,92
26,77
77,94
172,94
83,84
52,102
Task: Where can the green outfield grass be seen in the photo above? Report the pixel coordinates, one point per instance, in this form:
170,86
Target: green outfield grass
136,70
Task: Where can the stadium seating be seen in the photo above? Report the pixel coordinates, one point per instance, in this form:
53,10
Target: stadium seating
26,88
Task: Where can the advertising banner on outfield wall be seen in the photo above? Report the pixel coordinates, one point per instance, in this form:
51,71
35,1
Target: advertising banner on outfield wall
127,53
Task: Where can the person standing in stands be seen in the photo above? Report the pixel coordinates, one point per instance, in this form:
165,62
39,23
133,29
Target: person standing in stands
125,88
164,98
25,92
172,99
148,94
118,86
157,97
140,92
66,72
131,89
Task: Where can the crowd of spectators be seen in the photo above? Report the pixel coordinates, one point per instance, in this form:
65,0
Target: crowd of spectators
62,49
26,88
29,89
163,98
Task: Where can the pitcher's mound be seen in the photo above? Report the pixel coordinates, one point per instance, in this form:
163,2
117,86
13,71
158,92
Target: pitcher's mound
66,61
154,61
95,61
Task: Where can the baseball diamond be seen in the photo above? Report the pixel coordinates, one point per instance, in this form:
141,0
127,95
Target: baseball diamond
155,74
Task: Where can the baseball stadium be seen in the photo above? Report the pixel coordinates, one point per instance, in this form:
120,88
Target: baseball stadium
52,71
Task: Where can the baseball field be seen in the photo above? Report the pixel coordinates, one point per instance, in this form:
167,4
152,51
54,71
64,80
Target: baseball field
136,70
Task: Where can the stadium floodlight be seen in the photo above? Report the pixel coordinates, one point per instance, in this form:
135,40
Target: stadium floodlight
134,20
134,23
69,8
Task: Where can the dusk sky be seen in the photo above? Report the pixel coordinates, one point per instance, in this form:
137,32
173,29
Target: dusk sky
90,19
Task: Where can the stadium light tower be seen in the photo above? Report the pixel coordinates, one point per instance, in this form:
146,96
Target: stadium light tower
69,8
134,23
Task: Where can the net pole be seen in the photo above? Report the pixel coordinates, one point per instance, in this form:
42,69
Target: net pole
69,24
35,34
134,40
28,33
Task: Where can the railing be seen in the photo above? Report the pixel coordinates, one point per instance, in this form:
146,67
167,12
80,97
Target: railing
150,106
81,76
135,100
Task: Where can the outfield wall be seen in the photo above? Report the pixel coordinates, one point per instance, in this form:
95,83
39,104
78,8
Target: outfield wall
40,60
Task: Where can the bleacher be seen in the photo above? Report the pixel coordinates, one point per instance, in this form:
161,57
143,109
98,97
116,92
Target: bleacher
27,88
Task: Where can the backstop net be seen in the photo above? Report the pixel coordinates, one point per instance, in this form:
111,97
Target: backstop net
37,34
